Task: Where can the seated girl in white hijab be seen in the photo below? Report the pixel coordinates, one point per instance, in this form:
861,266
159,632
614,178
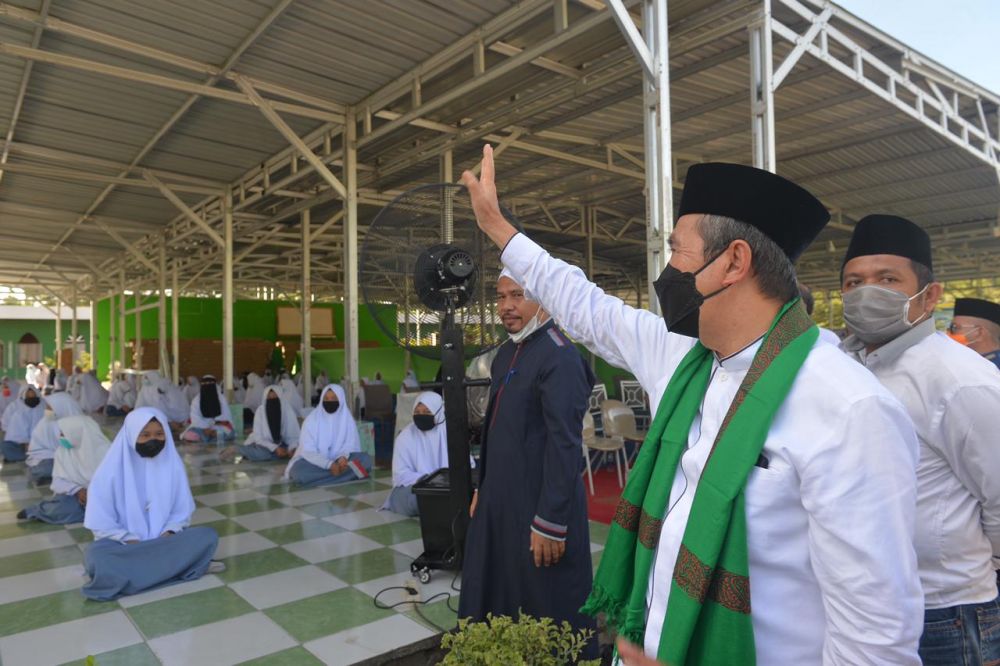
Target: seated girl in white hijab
211,419
9,389
275,429
421,448
45,437
294,396
139,507
82,446
18,421
192,388
329,447
89,393
160,393
121,399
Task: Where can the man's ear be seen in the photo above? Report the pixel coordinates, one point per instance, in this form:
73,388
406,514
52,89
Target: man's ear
739,262
932,296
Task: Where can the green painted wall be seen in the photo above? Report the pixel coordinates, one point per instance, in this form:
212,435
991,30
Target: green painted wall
11,331
201,318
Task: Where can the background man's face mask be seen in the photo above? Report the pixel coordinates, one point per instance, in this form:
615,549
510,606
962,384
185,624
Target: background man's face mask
954,332
877,315
680,300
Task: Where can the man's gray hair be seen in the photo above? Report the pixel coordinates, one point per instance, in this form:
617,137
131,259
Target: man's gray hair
773,270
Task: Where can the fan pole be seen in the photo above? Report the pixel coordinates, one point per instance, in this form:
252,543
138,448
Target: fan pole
457,419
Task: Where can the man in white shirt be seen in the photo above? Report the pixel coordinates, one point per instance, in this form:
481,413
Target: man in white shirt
829,501
952,395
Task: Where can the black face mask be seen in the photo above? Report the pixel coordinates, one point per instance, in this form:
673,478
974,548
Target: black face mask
424,421
680,300
150,448
272,408
331,406
32,402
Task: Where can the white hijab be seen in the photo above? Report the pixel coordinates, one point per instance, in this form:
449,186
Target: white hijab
45,436
31,374
290,431
416,452
19,420
91,395
142,496
328,435
199,421
294,396
13,387
149,392
255,392
78,464
193,388
122,393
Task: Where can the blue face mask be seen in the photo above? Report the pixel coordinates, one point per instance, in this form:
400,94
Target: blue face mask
66,443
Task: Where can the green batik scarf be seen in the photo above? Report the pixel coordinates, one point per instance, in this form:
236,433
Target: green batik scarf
708,611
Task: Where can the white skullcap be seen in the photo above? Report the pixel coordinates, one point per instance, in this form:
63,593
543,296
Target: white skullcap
505,273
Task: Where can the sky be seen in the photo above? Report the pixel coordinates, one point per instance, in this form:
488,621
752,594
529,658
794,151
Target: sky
959,34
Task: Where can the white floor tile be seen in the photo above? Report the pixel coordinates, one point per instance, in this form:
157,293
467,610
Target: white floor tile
286,586
171,591
331,547
272,518
439,584
413,548
33,542
59,643
241,544
8,517
24,494
39,583
203,514
368,640
305,497
229,497
376,499
365,518
222,643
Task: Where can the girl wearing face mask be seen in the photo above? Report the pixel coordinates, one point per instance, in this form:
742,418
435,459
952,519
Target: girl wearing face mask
82,446
329,449
139,508
19,420
421,448
45,437
275,429
210,415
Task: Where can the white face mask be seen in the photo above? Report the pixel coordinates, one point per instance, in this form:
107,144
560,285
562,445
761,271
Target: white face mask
528,329
877,315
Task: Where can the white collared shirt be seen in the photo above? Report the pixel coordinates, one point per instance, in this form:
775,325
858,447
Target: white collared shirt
952,394
830,520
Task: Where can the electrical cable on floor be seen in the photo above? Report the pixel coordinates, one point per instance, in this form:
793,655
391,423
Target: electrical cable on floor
416,603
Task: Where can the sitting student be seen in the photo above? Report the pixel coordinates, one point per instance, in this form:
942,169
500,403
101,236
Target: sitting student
294,396
254,397
192,388
45,437
210,415
9,389
89,394
421,448
329,447
275,429
121,399
139,506
19,420
82,446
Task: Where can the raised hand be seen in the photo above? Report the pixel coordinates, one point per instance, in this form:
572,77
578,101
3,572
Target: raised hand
483,195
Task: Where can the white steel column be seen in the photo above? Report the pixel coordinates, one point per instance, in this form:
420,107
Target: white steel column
113,332
351,256
306,219
175,342
762,90
137,314
74,329
162,311
652,49
227,295
126,363
92,341
59,335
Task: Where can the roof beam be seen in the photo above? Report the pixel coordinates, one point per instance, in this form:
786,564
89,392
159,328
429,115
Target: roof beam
22,88
183,207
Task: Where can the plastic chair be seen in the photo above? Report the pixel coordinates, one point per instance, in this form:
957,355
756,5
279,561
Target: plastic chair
619,421
603,445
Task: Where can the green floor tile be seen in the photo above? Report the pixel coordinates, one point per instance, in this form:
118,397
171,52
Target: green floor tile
160,618
249,506
359,487
50,609
437,616
25,527
296,656
392,533
81,534
310,529
326,614
41,560
225,527
209,488
363,567
251,565
334,507
382,474
133,655
598,532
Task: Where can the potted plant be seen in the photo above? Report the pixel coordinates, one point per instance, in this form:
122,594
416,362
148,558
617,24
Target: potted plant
523,642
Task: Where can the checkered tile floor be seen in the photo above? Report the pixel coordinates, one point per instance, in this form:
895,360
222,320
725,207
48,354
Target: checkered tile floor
303,567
